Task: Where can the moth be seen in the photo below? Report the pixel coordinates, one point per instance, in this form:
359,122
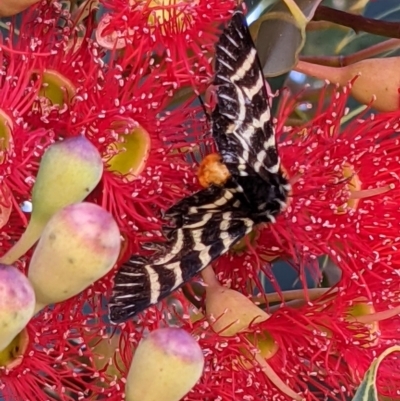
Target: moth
208,223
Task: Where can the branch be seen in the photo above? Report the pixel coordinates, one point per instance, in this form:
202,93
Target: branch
357,22
342,61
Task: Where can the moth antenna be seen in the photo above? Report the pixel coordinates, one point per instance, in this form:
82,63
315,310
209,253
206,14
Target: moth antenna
203,105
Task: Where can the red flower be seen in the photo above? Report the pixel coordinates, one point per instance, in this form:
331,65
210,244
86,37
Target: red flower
55,357
56,63
182,32
22,145
309,351
108,104
120,107
366,315
144,147
288,356
343,179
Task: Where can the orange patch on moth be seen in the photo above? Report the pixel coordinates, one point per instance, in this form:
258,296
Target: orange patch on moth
212,171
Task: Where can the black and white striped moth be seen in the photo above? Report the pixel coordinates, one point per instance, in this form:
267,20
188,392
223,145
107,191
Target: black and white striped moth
208,223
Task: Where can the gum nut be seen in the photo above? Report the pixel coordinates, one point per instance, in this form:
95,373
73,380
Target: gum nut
166,366
79,245
68,172
230,312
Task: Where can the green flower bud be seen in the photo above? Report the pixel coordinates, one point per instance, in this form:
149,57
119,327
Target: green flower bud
68,172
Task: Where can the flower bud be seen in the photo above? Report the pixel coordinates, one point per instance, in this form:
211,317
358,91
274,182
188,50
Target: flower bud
166,365
230,312
17,303
68,172
79,245
13,7
379,78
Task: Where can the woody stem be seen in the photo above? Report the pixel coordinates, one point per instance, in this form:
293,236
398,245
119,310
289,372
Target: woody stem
357,22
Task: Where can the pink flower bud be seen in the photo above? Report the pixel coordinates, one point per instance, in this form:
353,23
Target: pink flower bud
379,78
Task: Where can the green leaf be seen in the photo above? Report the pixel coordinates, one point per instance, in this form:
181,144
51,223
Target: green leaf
367,390
279,35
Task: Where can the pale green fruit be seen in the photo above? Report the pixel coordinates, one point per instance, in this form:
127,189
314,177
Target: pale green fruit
17,303
68,172
79,245
230,312
166,366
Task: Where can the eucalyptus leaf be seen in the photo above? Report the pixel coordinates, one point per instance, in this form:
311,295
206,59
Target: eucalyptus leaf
308,7
357,6
367,390
257,8
279,35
